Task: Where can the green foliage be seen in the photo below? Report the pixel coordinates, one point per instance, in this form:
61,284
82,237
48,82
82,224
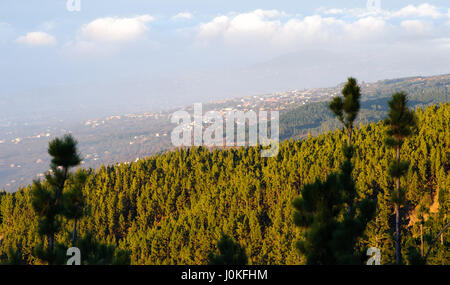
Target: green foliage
61,195
400,120
64,152
317,211
414,257
230,253
398,169
398,197
47,196
401,123
12,257
346,108
331,231
325,209
170,208
73,199
55,256
95,253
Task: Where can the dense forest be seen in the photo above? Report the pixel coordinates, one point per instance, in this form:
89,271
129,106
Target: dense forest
172,208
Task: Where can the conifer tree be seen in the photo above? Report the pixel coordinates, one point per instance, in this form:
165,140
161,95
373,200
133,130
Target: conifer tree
401,123
230,253
73,201
346,109
47,196
329,238
331,232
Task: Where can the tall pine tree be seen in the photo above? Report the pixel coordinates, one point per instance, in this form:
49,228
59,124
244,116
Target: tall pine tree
331,229
47,197
401,123
346,109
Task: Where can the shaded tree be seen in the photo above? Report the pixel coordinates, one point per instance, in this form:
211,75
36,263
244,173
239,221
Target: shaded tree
401,123
331,233
47,196
73,200
230,253
346,109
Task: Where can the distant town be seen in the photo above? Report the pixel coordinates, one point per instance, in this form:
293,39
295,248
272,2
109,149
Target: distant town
128,137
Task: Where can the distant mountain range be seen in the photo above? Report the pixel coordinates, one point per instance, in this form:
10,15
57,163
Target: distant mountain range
127,137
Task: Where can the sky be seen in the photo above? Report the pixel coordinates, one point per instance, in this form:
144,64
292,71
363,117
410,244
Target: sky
135,55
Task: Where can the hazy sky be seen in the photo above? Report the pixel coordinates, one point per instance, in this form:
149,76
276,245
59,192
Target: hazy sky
143,54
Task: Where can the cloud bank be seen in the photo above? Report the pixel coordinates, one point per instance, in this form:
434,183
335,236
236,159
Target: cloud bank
36,39
114,29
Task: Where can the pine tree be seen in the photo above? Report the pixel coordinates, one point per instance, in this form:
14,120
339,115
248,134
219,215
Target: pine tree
73,201
401,123
47,196
230,253
329,238
331,232
346,109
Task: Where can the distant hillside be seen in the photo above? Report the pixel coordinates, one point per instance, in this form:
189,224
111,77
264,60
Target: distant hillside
125,138
317,118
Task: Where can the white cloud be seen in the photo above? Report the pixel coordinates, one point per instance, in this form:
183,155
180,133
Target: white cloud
37,39
415,26
183,16
364,28
255,23
308,30
411,11
258,24
353,12
113,29
423,10
333,11
270,29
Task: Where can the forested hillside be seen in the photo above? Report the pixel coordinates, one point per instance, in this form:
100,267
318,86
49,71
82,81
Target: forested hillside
172,208
316,118
124,138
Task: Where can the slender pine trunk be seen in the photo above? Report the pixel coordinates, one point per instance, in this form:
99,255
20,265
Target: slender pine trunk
74,232
398,251
421,239
61,188
349,136
51,246
397,235
51,239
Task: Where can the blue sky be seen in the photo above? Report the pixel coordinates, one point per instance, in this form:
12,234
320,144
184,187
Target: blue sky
163,53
